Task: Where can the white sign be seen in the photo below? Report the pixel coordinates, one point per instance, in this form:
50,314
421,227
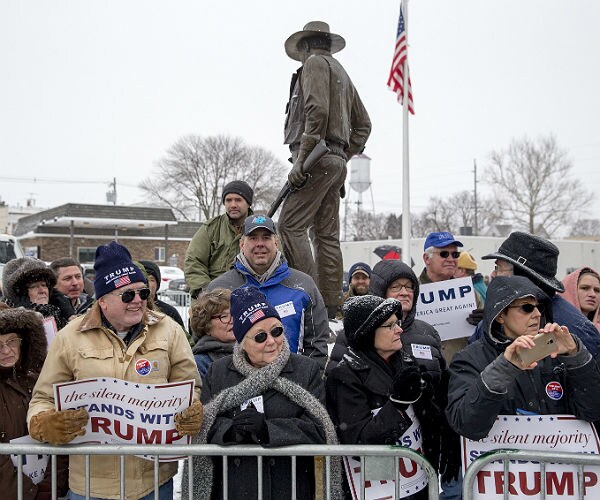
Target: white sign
534,432
445,305
34,466
412,477
127,412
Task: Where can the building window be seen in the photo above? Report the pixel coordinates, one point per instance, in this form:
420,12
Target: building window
159,254
86,254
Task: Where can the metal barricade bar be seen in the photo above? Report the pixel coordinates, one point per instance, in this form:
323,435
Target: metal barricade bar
376,452
543,457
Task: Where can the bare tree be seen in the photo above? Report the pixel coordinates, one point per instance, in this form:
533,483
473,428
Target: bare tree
586,228
531,181
190,177
453,212
367,226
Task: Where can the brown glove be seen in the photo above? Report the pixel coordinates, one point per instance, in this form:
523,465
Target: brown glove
189,421
58,427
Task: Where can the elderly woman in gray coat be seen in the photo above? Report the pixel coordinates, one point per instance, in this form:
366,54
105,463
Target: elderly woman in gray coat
262,394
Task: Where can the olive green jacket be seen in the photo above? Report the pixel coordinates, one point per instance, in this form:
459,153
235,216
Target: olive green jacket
211,252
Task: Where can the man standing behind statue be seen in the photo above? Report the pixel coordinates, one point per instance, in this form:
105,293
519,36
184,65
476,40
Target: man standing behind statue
323,105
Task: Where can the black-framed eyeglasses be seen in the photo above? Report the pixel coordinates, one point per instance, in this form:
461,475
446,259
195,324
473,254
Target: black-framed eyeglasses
261,337
391,325
12,344
528,308
128,295
224,318
444,254
396,288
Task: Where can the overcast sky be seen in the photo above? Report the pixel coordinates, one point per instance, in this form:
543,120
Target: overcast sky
92,90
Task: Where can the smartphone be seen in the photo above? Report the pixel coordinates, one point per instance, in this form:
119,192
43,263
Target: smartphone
545,344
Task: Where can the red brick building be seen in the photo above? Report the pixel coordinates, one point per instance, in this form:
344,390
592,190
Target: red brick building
75,230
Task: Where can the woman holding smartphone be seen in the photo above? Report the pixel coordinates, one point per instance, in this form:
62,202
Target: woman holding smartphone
510,370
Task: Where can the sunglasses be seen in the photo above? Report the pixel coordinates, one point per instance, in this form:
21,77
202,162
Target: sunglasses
444,254
261,337
528,308
128,295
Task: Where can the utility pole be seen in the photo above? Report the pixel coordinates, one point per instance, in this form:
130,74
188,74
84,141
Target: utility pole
475,228
111,196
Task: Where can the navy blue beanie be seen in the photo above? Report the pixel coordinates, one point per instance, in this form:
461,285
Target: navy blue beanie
249,306
114,269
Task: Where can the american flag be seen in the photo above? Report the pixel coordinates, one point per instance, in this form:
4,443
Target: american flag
256,316
396,78
122,281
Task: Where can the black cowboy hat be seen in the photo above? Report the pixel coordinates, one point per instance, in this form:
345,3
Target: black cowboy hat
535,256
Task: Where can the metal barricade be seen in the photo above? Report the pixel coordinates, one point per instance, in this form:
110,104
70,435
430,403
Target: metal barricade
541,457
378,462
179,300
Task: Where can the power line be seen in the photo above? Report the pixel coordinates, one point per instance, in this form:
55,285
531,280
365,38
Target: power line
62,181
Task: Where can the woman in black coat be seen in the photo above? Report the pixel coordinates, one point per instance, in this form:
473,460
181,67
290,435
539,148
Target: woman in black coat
369,392
488,377
262,394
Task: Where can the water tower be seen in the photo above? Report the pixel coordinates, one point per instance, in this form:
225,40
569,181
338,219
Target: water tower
360,181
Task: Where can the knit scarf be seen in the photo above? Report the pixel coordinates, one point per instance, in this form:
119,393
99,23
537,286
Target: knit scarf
261,278
258,381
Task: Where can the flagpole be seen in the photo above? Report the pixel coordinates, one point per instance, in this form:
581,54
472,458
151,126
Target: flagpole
406,222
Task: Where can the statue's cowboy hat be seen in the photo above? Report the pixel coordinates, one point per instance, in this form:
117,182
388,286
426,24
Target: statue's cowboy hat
536,257
313,28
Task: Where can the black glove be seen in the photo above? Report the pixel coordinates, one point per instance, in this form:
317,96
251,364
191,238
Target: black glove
407,387
449,466
475,317
250,426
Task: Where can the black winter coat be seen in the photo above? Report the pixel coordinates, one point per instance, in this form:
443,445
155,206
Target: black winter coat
287,424
359,385
472,407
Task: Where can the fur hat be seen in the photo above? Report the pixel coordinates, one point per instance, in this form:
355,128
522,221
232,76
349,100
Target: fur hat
114,269
363,314
313,28
535,257
238,187
18,273
28,326
249,306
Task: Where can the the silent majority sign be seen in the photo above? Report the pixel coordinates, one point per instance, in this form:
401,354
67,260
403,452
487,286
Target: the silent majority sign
127,412
534,432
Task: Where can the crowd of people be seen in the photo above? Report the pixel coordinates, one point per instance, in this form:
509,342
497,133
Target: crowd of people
259,333
257,351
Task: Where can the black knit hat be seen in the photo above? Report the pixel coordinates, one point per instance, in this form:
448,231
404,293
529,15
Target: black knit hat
533,256
114,269
238,187
363,314
249,306
151,269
